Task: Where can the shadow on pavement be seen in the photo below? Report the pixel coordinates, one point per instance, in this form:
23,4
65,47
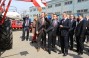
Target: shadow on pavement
75,56
34,45
23,53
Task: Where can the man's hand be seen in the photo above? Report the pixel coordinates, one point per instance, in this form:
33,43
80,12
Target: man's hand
61,25
36,32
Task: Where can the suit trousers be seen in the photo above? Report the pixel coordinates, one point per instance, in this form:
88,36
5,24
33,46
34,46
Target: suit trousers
51,40
80,44
41,39
64,44
87,38
71,40
25,30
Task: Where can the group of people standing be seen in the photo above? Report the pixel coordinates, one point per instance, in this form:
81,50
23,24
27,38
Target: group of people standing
68,29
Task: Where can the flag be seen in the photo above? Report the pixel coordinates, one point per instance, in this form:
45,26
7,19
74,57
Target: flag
44,2
39,3
25,0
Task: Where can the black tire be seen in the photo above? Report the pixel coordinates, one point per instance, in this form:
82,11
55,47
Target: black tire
6,36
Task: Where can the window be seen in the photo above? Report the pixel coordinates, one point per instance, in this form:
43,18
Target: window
34,9
68,12
43,8
59,4
65,3
50,6
68,2
82,0
78,11
85,10
79,0
82,11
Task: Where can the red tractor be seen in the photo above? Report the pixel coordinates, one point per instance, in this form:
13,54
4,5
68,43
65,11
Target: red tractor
6,36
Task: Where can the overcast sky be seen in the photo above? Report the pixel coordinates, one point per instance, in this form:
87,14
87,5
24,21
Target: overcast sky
20,5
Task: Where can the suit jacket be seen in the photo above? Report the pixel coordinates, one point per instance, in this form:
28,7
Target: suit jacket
81,28
72,27
52,28
64,31
34,27
88,24
39,26
87,28
24,22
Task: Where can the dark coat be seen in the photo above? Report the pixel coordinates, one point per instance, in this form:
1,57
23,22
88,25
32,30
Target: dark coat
52,29
24,21
87,29
72,27
39,26
81,28
64,31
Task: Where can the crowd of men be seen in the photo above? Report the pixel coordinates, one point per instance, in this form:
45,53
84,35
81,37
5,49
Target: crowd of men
69,29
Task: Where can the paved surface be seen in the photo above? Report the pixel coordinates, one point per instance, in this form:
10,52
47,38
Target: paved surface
24,49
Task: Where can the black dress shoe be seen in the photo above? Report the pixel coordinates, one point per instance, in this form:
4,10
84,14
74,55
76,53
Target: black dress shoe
49,51
38,49
88,50
65,54
35,41
76,50
60,52
22,39
55,51
44,49
80,53
26,39
71,48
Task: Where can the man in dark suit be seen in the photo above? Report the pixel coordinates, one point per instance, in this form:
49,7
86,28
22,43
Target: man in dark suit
64,28
26,26
41,27
71,31
80,34
52,32
87,18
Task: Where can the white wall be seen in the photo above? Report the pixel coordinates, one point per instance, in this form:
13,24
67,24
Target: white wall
72,7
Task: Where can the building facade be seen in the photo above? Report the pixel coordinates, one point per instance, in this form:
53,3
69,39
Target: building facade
59,6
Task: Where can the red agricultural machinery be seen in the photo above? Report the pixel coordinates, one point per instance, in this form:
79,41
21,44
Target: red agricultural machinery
6,37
